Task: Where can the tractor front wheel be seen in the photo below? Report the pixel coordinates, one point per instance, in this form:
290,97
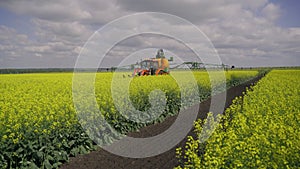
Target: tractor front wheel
161,72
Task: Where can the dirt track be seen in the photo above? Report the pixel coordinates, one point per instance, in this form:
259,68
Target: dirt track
103,159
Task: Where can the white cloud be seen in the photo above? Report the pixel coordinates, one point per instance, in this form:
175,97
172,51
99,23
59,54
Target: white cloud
72,32
56,10
271,11
244,32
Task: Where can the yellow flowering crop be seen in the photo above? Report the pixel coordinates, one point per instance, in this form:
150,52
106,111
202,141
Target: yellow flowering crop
38,123
259,130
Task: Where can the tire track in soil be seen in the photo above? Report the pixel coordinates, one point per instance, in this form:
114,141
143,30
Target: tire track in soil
103,159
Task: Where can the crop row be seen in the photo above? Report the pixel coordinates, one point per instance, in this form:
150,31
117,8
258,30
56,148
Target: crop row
259,130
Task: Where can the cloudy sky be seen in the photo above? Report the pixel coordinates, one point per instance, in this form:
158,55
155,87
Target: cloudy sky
35,33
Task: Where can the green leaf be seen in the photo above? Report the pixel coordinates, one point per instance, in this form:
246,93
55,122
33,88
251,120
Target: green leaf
47,164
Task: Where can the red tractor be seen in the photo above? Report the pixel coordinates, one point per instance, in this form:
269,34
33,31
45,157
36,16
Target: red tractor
153,66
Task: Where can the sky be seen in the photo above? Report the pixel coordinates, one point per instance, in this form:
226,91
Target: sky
51,34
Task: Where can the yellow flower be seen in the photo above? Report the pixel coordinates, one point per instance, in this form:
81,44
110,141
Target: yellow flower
4,137
16,140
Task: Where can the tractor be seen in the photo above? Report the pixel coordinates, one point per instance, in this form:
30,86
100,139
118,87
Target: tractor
153,66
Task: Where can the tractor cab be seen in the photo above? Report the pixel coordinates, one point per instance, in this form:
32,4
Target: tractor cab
146,67
148,64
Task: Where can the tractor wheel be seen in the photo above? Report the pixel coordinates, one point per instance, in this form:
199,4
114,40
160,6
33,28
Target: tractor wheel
161,72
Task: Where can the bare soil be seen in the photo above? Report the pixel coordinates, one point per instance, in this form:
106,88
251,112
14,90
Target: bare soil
103,159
